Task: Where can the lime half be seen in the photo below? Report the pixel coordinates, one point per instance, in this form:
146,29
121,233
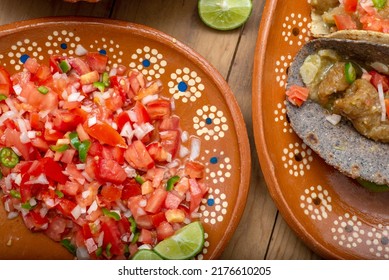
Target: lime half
186,243
224,14
145,254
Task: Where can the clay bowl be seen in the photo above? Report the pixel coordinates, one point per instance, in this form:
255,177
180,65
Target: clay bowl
208,109
330,212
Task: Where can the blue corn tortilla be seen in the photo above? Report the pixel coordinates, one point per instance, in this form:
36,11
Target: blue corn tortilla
341,146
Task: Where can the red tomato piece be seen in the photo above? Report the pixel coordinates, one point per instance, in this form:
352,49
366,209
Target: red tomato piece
5,78
97,61
164,230
157,152
377,78
122,119
66,207
158,109
12,139
130,188
109,170
79,65
158,218
39,101
297,95
350,5
111,192
56,228
32,65
156,201
173,201
66,121
105,134
53,170
194,169
112,236
171,123
171,140
344,22
145,236
144,221
138,157
141,113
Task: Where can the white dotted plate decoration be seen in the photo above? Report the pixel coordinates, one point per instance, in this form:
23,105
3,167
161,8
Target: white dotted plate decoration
333,214
188,80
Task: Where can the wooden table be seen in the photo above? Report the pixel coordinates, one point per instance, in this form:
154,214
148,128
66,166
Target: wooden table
262,232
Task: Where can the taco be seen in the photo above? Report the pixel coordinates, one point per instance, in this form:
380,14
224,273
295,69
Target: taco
338,104
360,16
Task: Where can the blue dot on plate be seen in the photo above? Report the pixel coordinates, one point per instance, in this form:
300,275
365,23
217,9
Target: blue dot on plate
213,160
182,86
104,52
24,58
208,121
146,62
210,202
64,46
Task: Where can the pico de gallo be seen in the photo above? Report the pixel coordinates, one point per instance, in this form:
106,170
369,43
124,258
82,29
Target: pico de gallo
372,15
94,157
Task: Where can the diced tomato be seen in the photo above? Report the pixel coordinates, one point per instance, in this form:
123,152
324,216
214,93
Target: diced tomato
109,170
171,123
157,152
158,218
79,65
53,170
297,95
71,105
196,194
350,5
171,140
35,222
144,221
112,236
137,81
4,89
122,119
66,121
68,155
111,192
173,201
86,232
133,204
145,236
66,207
158,109
377,79
97,61
194,169
154,87
56,228
344,22
164,230
387,107
130,188
52,135
141,113
5,78
40,144
124,225
32,65
70,188
36,122
138,157
37,100
114,102
43,73
105,134
89,78
156,201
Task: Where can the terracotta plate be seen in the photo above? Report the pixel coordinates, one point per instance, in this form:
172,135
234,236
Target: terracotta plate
330,212
202,97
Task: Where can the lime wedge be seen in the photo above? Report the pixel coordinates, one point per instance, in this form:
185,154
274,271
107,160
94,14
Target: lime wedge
145,254
224,14
186,243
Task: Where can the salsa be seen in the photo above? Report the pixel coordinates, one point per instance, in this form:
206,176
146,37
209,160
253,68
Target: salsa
93,156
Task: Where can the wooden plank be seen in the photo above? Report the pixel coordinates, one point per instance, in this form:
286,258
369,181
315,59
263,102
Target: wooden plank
180,20
15,10
285,245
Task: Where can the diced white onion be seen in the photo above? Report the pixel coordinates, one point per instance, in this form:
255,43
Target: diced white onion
80,50
87,177
86,108
22,99
90,245
76,212
57,76
85,194
131,172
184,136
106,95
382,101
18,89
48,125
93,207
195,148
142,130
43,211
133,116
334,118
74,96
81,166
18,179
11,105
143,203
184,151
40,180
113,72
43,114
149,98
12,215
100,239
24,138
6,116
31,134
145,247
127,131
380,67
92,121
82,253
32,201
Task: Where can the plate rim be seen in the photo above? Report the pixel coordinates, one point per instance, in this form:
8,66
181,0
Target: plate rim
211,72
265,161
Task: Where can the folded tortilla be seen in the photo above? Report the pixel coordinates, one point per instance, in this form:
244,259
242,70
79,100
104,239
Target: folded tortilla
339,145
